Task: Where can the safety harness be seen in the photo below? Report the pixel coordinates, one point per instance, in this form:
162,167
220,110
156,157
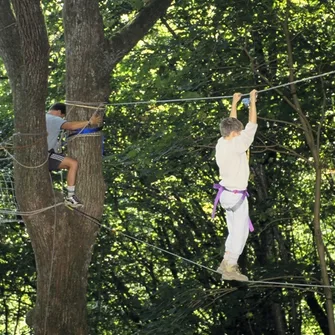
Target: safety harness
85,131
234,208
88,132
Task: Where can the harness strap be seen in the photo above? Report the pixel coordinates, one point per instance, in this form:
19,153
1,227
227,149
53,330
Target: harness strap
85,131
220,189
90,131
239,203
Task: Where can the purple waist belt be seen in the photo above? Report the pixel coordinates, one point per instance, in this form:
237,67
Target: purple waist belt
220,189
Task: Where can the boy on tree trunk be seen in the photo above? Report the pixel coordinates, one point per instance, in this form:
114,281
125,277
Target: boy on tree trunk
55,122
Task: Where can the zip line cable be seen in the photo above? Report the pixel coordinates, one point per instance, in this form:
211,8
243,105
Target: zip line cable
98,223
141,102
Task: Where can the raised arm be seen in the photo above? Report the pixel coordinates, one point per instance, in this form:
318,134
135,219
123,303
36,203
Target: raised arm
236,99
252,107
74,125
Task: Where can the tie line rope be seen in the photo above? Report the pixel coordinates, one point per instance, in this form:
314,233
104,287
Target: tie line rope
288,285
98,223
34,212
23,165
90,106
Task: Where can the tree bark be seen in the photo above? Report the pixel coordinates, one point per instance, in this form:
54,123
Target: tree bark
25,50
318,312
279,319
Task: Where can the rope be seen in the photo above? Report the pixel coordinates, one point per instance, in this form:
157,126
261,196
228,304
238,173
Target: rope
37,211
97,222
30,134
25,166
81,104
8,145
10,220
89,135
86,131
87,105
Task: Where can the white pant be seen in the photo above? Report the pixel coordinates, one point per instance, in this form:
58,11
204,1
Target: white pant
238,222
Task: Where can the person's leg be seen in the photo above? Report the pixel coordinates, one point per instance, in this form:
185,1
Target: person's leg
227,200
230,223
238,228
71,165
239,237
239,232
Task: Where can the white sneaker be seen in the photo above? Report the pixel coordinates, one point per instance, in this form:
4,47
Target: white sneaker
73,202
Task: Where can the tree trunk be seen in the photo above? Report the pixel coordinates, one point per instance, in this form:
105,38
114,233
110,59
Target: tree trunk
279,318
318,312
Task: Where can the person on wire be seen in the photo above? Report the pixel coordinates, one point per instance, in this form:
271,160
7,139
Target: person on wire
231,158
55,122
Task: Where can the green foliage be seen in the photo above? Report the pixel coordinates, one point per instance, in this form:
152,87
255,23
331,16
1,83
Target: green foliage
160,167
17,278
6,109
159,170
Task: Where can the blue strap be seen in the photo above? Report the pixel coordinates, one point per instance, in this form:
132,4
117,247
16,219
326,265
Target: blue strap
85,131
90,131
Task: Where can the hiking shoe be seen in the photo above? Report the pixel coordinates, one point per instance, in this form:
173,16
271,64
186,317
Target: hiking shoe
232,272
222,267
73,202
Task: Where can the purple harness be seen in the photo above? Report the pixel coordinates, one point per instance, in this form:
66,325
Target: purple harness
220,189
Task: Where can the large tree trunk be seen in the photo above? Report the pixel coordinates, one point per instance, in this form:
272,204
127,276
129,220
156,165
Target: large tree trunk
62,239
24,49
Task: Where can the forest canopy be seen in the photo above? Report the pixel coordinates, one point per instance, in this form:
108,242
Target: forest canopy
158,167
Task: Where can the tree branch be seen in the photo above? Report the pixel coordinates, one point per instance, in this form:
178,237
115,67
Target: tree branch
323,116
127,37
304,121
280,121
9,40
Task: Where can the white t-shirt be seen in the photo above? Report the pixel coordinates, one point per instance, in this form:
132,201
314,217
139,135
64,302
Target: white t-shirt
232,160
54,124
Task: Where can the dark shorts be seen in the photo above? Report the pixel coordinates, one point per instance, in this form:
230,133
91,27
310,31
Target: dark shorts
54,160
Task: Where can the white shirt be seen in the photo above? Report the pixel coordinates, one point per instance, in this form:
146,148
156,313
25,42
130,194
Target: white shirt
232,160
